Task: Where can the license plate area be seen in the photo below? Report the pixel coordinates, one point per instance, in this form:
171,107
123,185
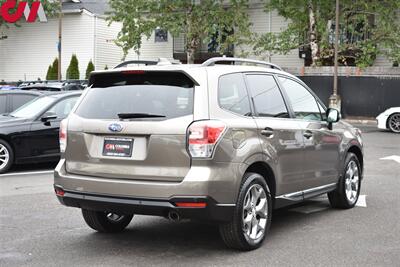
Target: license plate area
117,147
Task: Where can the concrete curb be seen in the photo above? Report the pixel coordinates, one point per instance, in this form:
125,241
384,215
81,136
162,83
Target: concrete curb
366,121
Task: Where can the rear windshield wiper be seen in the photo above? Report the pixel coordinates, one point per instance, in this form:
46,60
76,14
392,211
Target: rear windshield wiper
138,115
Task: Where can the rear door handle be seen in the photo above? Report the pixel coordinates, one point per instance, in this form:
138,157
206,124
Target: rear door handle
308,134
268,132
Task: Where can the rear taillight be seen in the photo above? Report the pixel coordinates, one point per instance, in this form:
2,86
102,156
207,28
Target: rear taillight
203,137
63,136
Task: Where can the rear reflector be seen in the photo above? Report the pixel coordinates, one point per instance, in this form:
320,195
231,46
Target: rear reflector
191,204
59,192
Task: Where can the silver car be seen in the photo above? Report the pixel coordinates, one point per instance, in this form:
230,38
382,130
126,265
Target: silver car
213,142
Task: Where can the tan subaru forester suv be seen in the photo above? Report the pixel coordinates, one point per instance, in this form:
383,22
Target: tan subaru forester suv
219,142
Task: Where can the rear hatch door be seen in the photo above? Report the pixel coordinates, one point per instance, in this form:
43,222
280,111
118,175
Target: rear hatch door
133,126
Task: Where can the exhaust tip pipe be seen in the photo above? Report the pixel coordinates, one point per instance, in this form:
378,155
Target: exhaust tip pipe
173,216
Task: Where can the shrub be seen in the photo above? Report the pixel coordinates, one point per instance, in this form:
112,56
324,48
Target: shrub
73,69
89,69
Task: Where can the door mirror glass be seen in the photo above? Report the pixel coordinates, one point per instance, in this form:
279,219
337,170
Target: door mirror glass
332,115
48,116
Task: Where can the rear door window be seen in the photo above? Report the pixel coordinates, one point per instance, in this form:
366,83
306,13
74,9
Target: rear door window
165,100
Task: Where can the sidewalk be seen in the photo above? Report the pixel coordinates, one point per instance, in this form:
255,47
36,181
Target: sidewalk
361,120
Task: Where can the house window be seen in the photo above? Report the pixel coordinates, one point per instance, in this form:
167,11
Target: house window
161,35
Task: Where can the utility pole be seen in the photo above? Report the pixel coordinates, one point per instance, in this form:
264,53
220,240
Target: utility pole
334,100
59,77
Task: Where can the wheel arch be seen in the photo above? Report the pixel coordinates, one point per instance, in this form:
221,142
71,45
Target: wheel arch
265,171
8,140
358,152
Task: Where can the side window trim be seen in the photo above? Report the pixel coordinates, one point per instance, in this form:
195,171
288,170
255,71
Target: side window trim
316,99
283,94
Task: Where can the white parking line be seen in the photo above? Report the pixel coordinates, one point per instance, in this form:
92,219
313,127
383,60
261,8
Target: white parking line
26,173
394,157
362,201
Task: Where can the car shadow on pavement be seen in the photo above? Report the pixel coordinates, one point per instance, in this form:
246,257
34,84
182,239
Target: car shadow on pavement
152,235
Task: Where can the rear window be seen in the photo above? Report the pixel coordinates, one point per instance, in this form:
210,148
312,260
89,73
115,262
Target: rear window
165,100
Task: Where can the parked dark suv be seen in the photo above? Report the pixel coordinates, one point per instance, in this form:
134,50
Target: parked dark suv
222,143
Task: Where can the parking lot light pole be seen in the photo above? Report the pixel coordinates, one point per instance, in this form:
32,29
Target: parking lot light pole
59,77
334,99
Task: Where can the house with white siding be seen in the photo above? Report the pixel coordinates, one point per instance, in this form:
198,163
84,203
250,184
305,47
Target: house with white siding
27,51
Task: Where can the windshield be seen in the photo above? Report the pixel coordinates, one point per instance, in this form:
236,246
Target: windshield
137,102
32,108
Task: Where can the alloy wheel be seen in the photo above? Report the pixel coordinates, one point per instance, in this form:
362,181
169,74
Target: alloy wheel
255,211
4,156
352,182
394,123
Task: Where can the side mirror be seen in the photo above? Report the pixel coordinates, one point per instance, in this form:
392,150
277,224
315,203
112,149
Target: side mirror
48,116
332,116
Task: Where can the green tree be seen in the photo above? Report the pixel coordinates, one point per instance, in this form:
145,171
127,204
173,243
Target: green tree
199,21
367,28
49,73
89,69
52,71
106,67
73,69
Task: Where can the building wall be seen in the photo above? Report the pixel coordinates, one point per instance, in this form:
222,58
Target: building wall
107,53
263,22
29,50
152,50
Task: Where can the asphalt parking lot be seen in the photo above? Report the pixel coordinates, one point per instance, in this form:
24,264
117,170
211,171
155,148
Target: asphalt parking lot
35,230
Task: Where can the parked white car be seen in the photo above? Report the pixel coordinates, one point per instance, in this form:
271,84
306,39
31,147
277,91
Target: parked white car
390,119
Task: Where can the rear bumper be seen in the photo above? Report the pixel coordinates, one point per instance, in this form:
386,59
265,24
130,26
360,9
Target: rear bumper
159,207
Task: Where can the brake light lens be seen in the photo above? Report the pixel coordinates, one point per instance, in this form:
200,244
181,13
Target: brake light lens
63,135
203,137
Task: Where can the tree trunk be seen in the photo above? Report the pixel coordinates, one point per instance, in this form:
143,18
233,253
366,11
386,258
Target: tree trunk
190,56
192,46
313,35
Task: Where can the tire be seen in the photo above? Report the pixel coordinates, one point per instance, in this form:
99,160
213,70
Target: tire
348,190
236,234
6,156
106,222
394,122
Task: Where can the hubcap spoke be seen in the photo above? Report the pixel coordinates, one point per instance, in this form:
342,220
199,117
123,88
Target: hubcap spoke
4,156
255,211
352,182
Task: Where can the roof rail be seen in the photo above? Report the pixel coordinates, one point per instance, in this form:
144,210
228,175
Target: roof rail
212,61
161,62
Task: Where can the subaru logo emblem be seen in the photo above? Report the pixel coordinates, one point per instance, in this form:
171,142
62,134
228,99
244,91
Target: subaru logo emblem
115,127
